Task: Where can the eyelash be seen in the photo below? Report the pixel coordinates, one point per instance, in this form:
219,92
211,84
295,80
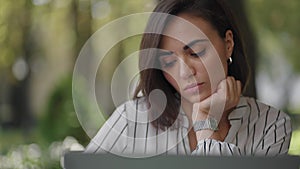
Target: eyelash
199,54
169,64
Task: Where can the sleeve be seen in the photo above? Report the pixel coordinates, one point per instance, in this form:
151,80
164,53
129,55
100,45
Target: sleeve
211,147
112,135
276,136
270,135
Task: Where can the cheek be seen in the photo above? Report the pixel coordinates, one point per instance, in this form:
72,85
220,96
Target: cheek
171,80
220,54
224,64
216,69
223,58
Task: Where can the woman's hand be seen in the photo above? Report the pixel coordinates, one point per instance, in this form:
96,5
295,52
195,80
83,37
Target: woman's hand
223,100
218,106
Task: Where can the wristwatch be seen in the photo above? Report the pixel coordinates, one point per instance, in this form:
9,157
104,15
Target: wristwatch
209,123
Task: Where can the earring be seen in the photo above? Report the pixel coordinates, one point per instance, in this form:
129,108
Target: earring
229,61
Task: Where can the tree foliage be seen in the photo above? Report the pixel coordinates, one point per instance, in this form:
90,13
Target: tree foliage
279,19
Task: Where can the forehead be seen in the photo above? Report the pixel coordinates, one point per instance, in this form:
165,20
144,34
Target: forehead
186,27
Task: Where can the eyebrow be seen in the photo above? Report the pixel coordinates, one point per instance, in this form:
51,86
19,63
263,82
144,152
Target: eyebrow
188,46
192,43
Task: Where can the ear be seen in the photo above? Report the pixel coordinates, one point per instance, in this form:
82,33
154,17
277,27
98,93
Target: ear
229,43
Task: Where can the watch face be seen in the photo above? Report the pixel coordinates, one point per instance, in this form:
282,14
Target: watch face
213,123
209,123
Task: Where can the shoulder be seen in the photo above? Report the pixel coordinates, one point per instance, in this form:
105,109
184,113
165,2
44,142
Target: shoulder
138,104
131,108
264,111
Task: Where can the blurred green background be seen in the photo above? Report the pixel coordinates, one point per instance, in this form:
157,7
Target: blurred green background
41,39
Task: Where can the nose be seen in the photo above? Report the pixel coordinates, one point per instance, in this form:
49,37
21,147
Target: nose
186,69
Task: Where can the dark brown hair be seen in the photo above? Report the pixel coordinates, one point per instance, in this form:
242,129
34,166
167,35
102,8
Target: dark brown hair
217,13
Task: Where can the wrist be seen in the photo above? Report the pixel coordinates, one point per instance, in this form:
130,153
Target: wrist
200,115
209,123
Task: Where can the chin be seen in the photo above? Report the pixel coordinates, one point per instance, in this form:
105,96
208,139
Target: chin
195,98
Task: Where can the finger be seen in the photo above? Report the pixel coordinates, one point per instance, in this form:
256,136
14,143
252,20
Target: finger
234,87
234,91
237,92
222,87
239,87
231,87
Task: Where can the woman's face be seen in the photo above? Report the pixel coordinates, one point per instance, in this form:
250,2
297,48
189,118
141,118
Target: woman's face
194,61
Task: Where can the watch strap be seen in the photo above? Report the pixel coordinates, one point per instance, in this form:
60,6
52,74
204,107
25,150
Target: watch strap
209,123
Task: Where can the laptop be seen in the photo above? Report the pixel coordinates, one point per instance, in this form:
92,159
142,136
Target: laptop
79,160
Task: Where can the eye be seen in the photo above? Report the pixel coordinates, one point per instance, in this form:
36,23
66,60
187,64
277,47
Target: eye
168,64
199,54
168,60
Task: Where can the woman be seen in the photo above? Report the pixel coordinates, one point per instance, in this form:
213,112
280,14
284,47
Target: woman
202,71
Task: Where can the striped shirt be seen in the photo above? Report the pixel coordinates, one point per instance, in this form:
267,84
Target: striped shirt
256,129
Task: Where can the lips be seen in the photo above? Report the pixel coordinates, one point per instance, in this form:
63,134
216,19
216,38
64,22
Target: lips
193,86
